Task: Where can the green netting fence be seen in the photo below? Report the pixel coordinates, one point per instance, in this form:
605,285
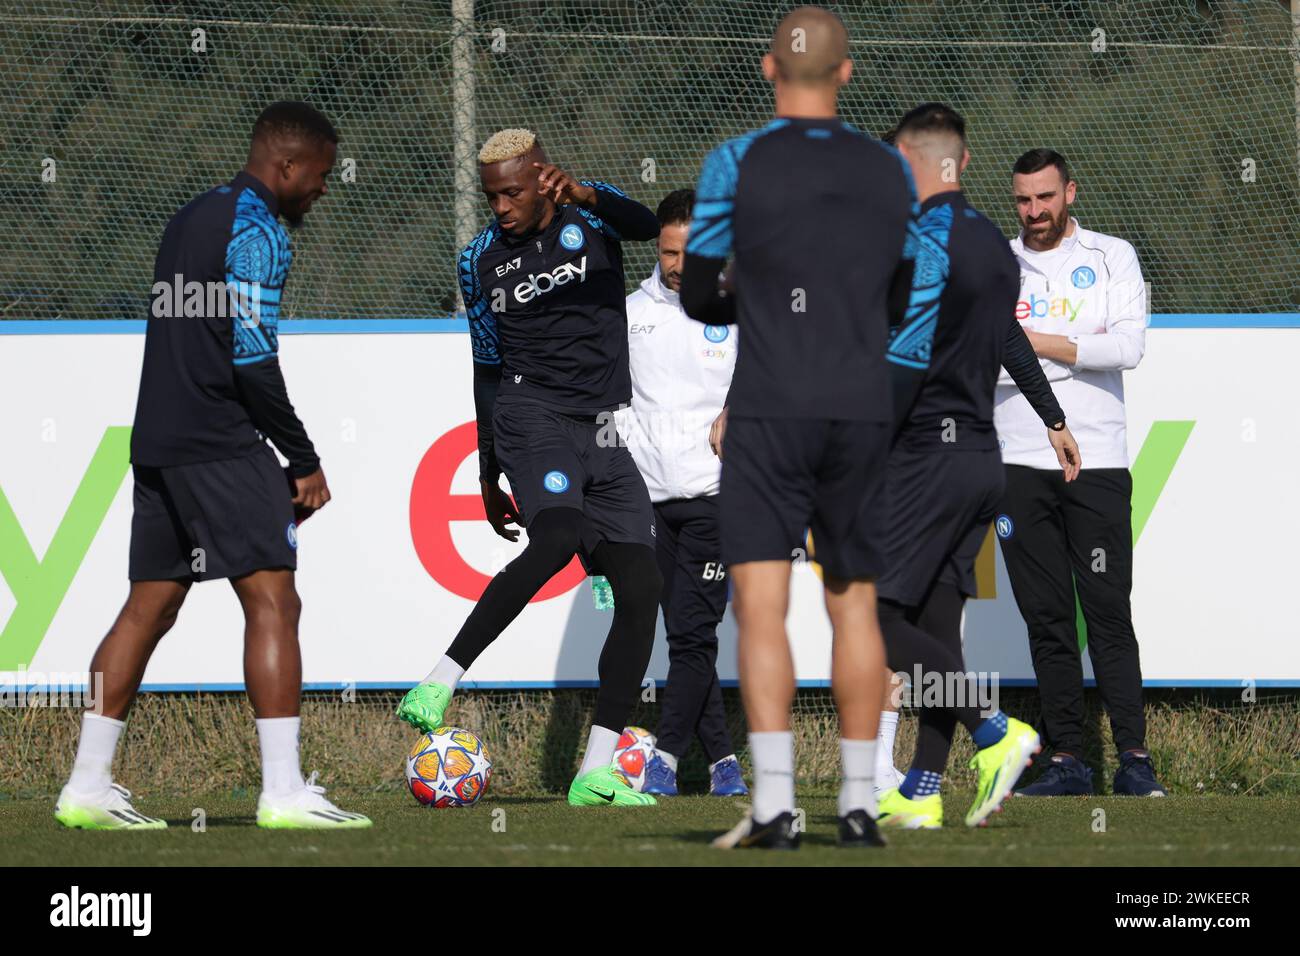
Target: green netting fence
1179,118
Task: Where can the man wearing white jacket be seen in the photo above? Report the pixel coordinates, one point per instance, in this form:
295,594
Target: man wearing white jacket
681,371
1083,304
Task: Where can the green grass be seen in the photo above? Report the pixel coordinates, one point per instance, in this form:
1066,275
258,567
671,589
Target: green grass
543,830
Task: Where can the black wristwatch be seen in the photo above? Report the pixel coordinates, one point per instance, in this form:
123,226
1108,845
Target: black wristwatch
1059,426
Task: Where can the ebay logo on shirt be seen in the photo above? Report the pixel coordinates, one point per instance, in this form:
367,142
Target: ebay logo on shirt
1059,308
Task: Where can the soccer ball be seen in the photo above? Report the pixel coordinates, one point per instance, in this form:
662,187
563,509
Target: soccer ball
449,767
632,755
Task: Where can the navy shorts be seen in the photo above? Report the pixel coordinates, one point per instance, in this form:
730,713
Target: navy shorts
554,460
781,477
940,506
214,519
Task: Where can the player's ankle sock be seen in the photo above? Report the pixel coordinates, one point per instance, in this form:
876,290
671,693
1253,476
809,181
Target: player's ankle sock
278,737
447,672
991,731
93,769
885,741
601,744
920,783
857,774
668,759
773,791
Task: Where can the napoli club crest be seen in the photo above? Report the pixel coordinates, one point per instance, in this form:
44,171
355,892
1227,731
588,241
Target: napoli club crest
571,238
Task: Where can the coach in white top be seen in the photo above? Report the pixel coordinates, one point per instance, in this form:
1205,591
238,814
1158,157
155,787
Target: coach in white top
681,372
1083,304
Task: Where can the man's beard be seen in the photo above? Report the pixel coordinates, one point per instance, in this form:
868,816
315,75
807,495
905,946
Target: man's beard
293,219
673,281
1051,236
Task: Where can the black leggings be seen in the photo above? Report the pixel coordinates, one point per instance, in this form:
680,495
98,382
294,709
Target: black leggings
930,636
633,573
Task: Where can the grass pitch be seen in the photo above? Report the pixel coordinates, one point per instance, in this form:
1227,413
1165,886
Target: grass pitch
543,830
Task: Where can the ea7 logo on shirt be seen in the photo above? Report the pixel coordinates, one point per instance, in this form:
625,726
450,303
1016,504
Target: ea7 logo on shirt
510,266
637,328
546,281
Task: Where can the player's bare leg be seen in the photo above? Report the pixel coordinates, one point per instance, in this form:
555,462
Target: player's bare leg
273,676
858,678
122,656
91,801
760,601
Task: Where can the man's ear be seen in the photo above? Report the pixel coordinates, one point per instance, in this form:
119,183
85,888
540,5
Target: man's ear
769,67
1071,189
965,160
844,72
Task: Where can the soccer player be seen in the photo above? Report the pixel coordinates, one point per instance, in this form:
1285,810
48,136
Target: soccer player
945,472
211,500
1083,303
681,371
817,215
543,288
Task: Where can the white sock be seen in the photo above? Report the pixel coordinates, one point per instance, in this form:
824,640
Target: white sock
669,759
773,791
278,737
447,672
885,745
858,759
92,771
601,743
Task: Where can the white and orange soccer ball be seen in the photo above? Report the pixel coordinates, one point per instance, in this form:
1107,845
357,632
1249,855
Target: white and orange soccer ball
632,755
448,767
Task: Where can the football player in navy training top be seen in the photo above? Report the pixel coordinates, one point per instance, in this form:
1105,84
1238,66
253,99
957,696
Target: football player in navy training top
544,292
818,216
945,471
210,498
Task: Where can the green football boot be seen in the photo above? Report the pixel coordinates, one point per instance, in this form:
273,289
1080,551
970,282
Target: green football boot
1000,766
606,787
910,813
424,705
110,809
306,809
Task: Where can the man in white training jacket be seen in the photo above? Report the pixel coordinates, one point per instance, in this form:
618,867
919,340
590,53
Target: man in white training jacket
681,371
1083,304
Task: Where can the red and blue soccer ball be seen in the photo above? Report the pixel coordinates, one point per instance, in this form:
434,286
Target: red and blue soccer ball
632,755
448,767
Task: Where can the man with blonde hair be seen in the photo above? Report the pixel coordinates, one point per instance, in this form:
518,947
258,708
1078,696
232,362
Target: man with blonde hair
544,293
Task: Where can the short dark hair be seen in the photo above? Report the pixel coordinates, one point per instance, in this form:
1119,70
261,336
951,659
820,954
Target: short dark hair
931,118
1039,159
676,208
294,118
890,136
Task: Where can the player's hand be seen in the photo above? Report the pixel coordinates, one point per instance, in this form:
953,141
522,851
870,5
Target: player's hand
310,494
561,188
716,433
500,510
1067,452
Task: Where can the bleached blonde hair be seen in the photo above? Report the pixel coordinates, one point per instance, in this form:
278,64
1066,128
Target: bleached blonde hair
507,144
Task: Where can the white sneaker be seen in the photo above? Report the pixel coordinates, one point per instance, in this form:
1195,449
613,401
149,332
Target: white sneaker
306,809
110,809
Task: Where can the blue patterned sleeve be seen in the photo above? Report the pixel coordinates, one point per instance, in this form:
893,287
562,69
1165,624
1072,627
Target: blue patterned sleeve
912,340
258,257
715,202
483,336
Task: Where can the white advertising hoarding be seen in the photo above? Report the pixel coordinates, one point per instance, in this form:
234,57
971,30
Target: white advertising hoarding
390,569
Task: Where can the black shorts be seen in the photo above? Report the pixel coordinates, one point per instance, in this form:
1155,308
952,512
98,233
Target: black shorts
557,461
781,477
214,519
940,506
